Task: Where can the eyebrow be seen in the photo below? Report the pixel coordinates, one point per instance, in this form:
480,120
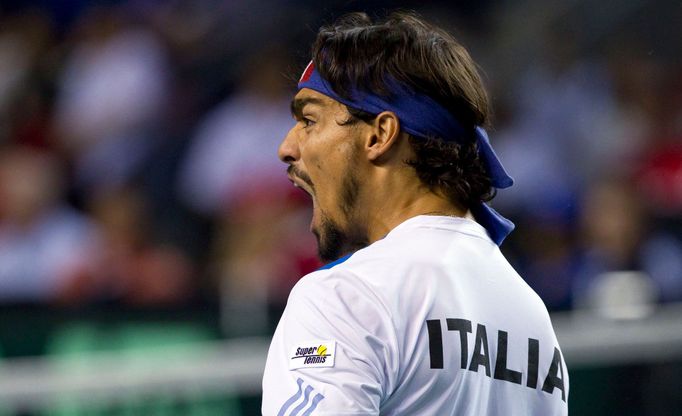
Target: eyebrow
297,105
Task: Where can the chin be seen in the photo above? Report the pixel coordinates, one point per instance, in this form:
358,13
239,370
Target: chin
331,240
334,242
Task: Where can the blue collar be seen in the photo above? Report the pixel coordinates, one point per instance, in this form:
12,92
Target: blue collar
335,262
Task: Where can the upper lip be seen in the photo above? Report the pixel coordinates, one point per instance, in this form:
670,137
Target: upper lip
299,183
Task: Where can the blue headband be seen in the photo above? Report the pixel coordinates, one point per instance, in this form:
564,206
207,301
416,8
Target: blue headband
421,116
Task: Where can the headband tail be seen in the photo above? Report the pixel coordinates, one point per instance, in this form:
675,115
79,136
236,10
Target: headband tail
497,226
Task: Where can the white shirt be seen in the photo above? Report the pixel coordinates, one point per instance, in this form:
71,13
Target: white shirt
430,320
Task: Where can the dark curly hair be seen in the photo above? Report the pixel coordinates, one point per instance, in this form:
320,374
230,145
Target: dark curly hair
355,52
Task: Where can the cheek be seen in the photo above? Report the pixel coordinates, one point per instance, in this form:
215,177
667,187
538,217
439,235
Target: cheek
328,153
334,162
322,155
333,191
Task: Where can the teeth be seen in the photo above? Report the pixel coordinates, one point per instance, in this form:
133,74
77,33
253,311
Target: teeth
303,188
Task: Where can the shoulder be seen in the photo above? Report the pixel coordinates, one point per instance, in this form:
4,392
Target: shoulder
337,307
339,304
339,286
359,277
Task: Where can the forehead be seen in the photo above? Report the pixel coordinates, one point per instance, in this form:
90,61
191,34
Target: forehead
310,97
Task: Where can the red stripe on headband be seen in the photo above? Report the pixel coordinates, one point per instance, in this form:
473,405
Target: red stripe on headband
307,72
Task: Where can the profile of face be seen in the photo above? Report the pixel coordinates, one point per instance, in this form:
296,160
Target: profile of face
323,153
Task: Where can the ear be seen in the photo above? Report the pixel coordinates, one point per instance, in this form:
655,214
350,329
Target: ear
384,133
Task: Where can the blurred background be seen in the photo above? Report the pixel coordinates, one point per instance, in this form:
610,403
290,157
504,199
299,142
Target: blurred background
149,237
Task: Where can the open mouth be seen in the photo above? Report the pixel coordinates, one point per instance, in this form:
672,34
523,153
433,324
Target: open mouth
301,185
300,180
307,187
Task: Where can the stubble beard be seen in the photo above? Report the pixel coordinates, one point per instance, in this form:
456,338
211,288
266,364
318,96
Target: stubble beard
335,241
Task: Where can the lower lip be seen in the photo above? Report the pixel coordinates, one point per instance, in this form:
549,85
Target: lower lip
314,219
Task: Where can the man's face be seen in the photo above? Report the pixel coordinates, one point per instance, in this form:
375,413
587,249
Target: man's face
322,150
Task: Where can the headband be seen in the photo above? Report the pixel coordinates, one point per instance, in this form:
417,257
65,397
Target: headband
421,116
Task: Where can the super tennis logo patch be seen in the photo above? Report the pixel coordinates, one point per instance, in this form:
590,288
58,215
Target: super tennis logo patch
312,354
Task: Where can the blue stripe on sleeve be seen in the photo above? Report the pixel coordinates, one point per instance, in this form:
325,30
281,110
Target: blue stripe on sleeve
305,402
292,399
316,400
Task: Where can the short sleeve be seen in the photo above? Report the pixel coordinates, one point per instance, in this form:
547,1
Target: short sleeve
332,351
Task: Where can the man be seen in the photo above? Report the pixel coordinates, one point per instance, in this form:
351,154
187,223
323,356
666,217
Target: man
423,316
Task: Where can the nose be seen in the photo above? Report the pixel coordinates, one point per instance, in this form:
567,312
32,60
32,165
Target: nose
288,150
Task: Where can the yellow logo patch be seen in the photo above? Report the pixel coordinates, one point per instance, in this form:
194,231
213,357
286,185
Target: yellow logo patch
312,354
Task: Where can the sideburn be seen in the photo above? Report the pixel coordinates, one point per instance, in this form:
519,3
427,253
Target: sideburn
356,233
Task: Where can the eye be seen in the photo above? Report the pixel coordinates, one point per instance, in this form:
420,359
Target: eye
307,122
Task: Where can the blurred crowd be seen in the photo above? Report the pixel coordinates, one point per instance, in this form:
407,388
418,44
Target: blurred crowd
138,146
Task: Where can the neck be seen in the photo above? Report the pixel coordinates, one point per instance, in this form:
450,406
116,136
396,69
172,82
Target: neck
391,208
393,193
